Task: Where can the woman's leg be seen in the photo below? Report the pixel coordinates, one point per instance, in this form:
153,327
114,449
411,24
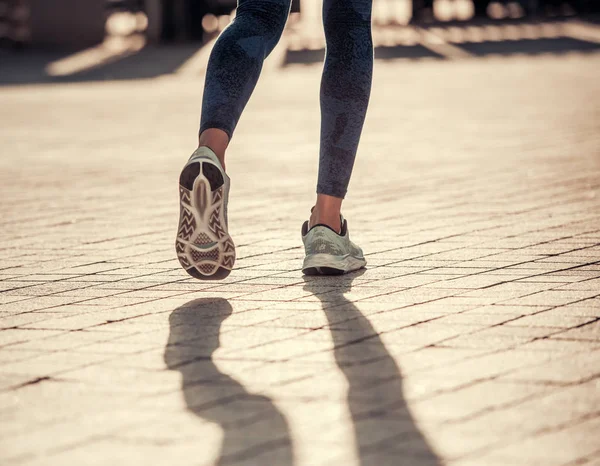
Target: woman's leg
345,90
234,67
204,247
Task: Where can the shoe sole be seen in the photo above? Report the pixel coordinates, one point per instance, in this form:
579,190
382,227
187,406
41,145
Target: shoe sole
204,248
327,264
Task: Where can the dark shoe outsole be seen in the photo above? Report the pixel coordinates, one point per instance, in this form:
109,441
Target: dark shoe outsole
220,274
190,173
322,271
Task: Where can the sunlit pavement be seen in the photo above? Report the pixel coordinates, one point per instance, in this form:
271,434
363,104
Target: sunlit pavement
472,338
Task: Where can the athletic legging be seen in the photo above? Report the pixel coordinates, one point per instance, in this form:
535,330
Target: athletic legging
236,61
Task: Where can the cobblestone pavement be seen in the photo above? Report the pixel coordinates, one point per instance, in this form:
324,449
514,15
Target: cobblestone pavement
471,339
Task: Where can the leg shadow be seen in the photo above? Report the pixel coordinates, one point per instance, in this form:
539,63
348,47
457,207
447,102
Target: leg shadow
254,431
385,431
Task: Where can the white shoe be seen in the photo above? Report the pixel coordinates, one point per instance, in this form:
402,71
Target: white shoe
204,248
329,252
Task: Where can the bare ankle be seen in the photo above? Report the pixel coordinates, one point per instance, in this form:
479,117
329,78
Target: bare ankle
217,141
332,222
327,212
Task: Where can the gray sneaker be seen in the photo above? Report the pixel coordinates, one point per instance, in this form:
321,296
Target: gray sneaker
204,248
330,253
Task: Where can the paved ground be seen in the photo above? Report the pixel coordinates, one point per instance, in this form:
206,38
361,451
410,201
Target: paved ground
471,339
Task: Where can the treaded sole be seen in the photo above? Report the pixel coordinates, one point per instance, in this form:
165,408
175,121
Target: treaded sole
204,248
327,264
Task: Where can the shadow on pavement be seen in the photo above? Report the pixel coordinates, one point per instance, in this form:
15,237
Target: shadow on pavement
251,424
386,433
31,67
555,46
478,38
381,53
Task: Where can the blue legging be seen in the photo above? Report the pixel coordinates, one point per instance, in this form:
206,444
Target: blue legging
236,61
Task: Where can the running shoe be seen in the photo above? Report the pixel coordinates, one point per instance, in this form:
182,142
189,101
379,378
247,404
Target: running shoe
204,248
329,252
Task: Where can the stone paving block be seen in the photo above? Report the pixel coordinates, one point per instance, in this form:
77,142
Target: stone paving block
15,288
123,346
14,336
515,310
263,317
103,378
478,316
561,371
539,414
95,451
9,354
555,297
557,346
55,340
506,427
584,285
10,381
504,290
280,294
385,321
474,400
31,416
36,304
515,331
550,320
53,364
12,299
71,323
584,331
309,349
299,320
485,366
14,320
576,441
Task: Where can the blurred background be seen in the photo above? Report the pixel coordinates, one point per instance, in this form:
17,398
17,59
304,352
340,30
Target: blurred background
57,40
